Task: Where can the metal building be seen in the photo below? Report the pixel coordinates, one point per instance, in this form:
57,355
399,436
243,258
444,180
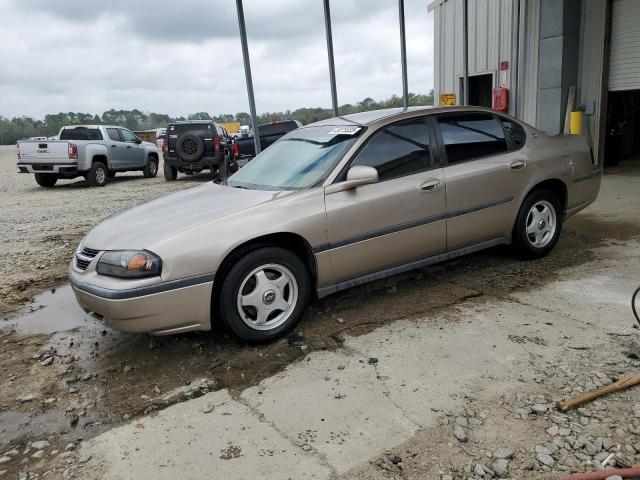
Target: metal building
547,53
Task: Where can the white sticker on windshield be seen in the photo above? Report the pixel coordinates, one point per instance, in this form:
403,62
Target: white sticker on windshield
345,130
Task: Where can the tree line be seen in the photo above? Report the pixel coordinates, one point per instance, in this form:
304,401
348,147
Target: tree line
11,130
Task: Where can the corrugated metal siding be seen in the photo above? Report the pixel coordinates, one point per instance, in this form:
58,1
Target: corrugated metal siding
624,62
489,41
591,73
528,72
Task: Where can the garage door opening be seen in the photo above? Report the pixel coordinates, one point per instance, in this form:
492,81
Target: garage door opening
622,143
480,89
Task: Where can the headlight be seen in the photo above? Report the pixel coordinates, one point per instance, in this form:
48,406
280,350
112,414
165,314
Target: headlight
129,264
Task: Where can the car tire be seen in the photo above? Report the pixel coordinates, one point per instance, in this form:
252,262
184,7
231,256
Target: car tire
98,175
268,277
189,147
151,169
46,180
538,225
170,172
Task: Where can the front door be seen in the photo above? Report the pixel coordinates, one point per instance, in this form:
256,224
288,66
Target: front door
396,221
134,149
485,173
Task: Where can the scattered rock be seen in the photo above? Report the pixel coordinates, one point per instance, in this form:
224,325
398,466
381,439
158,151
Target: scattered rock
5,459
539,408
373,361
503,453
460,434
84,458
545,459
39,445
500,468
27,398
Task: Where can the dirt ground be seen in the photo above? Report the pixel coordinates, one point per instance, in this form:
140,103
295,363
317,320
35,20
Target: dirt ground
66,380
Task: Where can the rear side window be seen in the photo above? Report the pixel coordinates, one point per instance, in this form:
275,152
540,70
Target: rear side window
114,134
515,133
397,150
470,136
81,133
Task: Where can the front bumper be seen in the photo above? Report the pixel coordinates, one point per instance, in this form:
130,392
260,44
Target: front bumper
53,168
160,308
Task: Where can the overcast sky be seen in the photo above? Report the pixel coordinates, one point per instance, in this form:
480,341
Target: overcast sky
184,56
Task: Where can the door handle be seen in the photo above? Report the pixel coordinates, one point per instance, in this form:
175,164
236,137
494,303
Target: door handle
128,146
431,185
518,165
114,146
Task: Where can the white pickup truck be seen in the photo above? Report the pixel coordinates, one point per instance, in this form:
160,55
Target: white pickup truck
95,152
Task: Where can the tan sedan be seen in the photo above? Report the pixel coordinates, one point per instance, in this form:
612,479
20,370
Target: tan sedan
335,204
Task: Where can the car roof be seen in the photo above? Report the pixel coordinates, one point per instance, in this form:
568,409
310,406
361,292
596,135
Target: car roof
389,114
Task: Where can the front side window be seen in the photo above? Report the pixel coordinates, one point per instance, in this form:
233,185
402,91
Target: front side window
301,159
468,136
397,150
128,136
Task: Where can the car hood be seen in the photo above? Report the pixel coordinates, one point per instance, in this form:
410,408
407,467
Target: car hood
147,224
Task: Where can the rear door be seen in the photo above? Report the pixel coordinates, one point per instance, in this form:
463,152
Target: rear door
397,220
117,148
484,171
134,149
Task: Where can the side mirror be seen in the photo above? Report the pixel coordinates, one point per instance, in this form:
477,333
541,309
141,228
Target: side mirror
138,141
356,177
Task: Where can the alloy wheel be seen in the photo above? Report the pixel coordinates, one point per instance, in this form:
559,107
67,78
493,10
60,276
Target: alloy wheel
267,296
541,224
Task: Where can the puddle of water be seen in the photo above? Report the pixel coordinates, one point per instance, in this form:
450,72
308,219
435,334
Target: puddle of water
52,312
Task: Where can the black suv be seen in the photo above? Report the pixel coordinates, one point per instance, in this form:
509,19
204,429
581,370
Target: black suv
190,147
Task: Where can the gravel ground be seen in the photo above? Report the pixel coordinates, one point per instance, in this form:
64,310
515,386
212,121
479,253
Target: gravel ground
42,227
61,387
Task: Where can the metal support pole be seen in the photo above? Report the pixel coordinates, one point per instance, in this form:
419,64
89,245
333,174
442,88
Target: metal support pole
332,67
465,52
247,74
403,55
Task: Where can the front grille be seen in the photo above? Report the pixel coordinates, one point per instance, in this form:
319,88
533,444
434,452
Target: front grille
84,258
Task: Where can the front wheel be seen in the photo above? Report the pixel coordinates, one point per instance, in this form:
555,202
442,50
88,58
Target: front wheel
538,225
264,294
98,175
46,180
151,169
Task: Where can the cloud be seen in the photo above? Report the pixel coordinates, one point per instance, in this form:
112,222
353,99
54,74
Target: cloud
182,57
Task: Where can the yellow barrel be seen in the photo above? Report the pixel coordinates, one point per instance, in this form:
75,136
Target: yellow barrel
575,123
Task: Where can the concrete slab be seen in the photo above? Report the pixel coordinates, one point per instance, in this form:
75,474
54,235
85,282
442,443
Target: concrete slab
333,403
185,442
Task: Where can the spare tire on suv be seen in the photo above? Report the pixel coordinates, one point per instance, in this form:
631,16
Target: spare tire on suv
189,147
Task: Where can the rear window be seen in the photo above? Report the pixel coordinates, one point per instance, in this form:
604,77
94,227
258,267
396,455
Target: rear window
197,128
81,133
279,127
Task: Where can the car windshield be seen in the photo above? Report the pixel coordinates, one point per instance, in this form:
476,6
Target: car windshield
300,159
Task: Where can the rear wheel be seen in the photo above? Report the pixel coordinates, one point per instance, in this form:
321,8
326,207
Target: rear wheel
151,169
46,180
98,176
538,225
264,294
170,172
